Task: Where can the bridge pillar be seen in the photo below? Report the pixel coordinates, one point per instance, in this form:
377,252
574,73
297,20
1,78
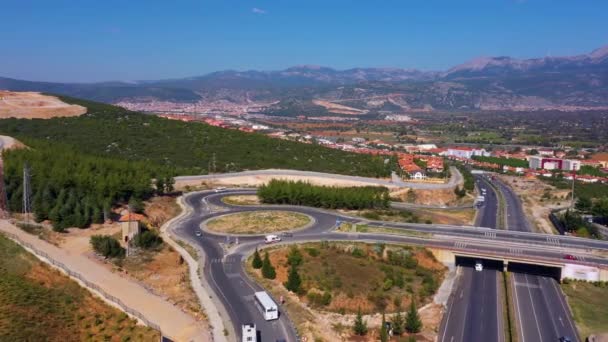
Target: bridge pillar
505,265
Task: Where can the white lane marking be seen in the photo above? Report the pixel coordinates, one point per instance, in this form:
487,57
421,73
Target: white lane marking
450,309
544,294
565,308
534,311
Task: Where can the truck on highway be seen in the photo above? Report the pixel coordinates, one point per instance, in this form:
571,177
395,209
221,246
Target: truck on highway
269,308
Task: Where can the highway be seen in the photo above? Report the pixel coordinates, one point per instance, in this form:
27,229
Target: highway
474,310
541,311
233,289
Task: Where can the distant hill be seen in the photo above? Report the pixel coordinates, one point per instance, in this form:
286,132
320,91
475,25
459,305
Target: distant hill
487,83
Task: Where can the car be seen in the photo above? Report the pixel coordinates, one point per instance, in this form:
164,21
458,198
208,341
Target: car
198,233
569,257
219,189
565,339
271,238
478,266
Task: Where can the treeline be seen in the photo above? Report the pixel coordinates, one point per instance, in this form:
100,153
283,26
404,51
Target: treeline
513,162
467,177
302,193
191,148
75,190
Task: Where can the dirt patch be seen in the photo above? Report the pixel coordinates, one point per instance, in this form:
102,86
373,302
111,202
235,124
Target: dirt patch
258,222
32,105
339,109
241,200
436,197
161,209
165,273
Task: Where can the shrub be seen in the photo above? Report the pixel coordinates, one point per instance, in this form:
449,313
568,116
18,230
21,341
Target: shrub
107,246
147,240
360,326
257,260
268,270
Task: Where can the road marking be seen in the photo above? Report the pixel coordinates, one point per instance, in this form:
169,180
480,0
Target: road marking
553,240
515,250
566,310
534,311
459,244
490,235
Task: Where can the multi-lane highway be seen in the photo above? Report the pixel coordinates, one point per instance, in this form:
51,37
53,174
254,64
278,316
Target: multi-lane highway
234,290
541,312
474,310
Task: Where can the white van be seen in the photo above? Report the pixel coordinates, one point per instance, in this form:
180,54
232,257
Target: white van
272,238
478,266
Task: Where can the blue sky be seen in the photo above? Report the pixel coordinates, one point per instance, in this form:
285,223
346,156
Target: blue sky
86,40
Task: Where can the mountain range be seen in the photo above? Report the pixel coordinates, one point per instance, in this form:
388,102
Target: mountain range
487,83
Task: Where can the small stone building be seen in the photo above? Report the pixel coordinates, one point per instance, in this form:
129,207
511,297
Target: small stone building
130,224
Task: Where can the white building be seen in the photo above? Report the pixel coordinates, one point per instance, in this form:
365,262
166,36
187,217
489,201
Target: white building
537,162
466,152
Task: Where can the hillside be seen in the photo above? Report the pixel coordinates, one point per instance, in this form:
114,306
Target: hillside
568,83
193,148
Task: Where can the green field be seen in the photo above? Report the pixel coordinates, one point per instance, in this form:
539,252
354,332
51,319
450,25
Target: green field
41,304
588,304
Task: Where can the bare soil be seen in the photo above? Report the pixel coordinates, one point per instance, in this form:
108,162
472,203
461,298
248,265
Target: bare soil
242,200
538,198
33,105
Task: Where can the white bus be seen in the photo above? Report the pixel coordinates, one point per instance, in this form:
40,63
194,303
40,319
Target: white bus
268,306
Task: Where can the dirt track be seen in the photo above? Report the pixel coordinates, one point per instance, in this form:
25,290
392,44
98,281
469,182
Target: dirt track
32,105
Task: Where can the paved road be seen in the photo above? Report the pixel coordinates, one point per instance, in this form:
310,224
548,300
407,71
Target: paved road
454,180
233,288
474,310
541,310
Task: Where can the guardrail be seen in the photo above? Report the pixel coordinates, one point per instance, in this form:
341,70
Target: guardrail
87,283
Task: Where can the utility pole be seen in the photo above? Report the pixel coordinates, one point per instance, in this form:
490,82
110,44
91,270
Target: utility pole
3,197
26,193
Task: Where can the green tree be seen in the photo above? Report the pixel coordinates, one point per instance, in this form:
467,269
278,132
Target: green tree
294,257
383,331
583,204
413,324
268,270
294,282
257,260
398,323
360,326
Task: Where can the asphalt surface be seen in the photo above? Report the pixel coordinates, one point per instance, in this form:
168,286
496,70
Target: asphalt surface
232,287
542,313
474,310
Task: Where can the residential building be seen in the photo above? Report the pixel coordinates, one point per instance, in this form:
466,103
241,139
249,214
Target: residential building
466,152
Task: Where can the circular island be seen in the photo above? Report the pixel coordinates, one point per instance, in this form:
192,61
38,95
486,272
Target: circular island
258,222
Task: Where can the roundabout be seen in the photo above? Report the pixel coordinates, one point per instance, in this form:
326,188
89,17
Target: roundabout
257,222
224,255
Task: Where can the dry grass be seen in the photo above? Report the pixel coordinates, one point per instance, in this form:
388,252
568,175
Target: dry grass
241,200
161,209
165,273
353,274
588,304
258,222
38,303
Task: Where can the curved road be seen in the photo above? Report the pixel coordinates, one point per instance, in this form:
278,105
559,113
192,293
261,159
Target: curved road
225,274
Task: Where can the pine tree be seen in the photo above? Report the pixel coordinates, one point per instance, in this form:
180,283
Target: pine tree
268,270
257,260
398,323
412,320
383,331
360,326
293,282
